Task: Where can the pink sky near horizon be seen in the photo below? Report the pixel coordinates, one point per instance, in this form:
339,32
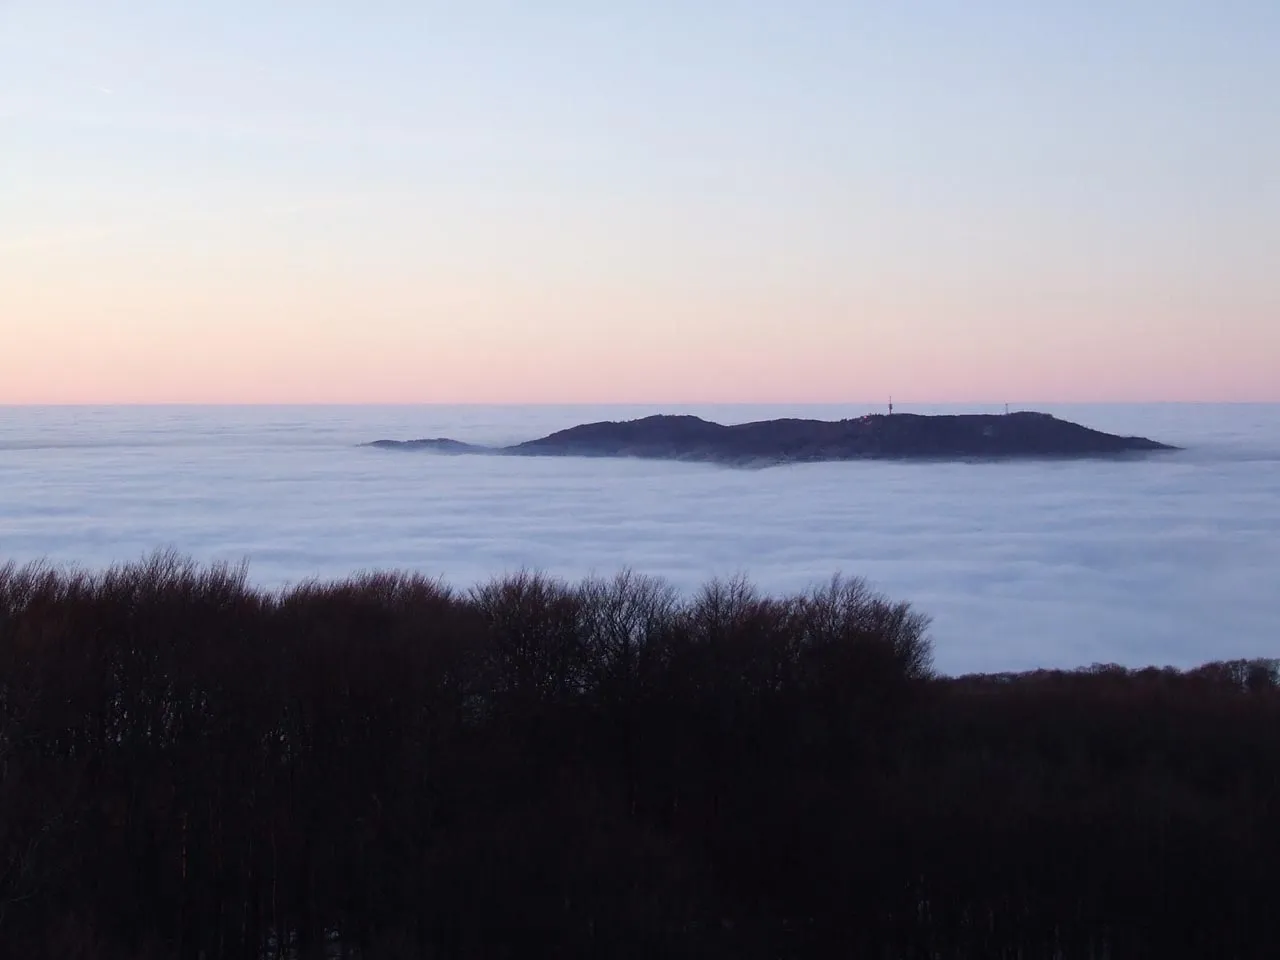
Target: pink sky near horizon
129,350
89,322
243,205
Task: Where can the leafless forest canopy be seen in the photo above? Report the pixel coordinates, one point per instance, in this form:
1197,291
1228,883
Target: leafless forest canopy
386,767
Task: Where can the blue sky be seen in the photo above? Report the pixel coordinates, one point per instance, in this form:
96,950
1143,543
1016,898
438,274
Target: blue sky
822,201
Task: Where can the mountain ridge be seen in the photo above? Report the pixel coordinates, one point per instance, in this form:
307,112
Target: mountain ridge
1019,435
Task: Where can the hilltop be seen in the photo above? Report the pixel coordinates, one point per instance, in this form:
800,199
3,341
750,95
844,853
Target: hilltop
1026,434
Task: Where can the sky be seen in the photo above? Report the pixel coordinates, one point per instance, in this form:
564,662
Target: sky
417,202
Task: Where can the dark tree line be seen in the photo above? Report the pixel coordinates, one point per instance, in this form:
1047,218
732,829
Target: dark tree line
386,768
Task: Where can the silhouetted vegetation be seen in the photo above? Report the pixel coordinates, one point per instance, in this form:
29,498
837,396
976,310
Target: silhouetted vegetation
386,768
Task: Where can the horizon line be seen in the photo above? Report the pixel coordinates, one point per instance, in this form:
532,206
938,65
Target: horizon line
620,403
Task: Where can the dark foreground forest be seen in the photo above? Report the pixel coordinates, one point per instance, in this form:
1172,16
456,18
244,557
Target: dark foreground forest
386,769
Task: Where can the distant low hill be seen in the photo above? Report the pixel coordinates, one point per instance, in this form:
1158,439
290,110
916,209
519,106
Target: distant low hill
879,436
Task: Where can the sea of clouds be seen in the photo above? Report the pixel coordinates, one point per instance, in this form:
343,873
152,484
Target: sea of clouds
1172,559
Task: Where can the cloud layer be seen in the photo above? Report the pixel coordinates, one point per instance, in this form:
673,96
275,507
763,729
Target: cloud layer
1173,560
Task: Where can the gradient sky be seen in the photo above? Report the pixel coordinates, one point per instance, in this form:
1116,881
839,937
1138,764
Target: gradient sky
639,200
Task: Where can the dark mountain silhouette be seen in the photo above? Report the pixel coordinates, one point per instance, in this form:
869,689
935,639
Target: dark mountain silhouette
902,435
